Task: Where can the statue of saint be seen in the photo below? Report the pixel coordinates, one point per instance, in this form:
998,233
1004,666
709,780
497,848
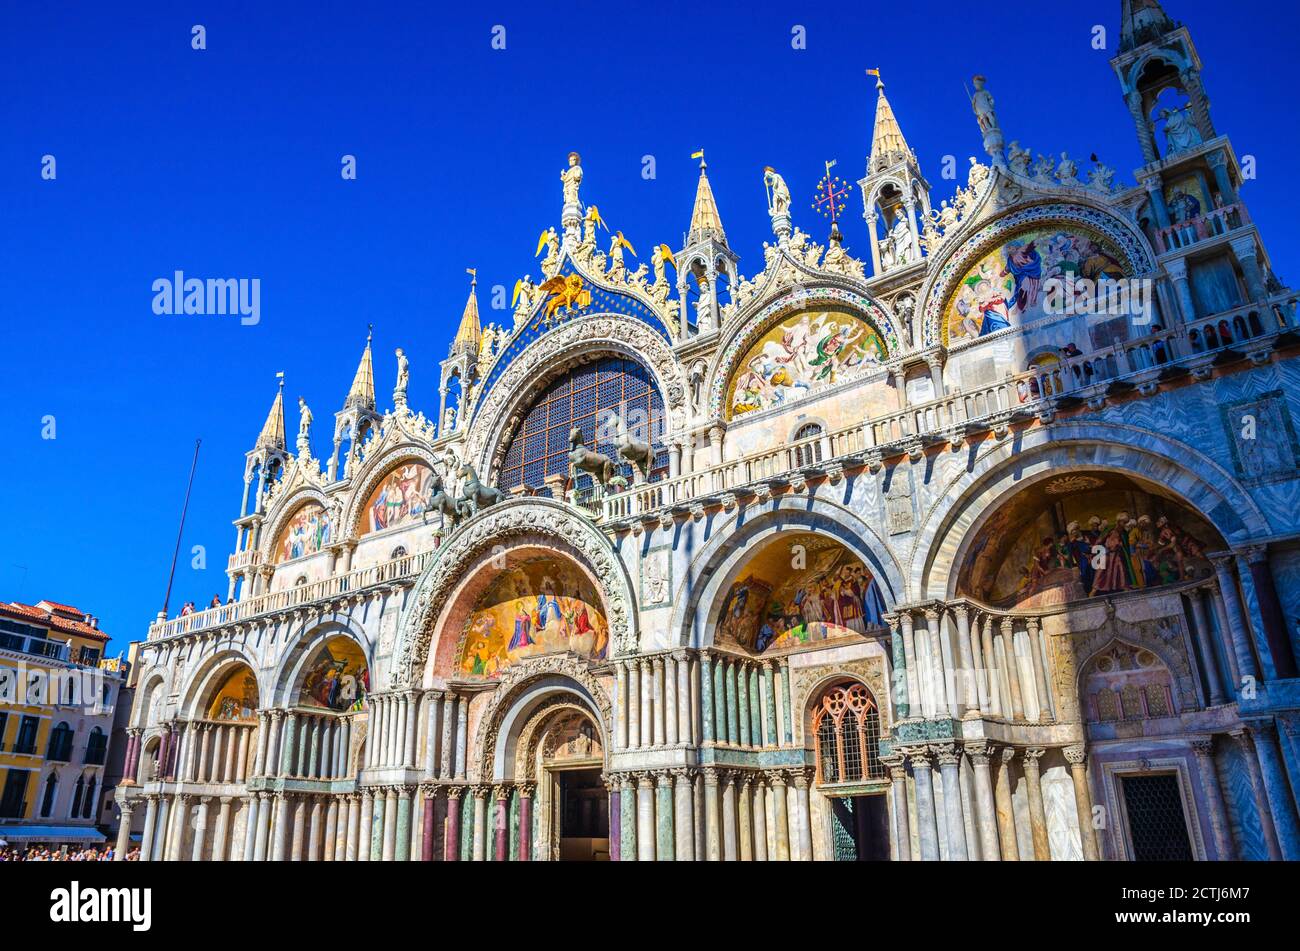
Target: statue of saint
900,238
981,102
403,376
1180,135
304,419
572,178
778,193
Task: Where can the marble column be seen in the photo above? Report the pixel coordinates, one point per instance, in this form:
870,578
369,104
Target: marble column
123,842
315,830
915,696
926,820
992,678
645,817
803,812
706,698
727,780
1005,806
627,818
760,818
898,805
744,816
620,675
1011,664
712,815
683,815
647,702
665,844
480,822
1214,804
780,815
299,828
411,702
1271,614
945,688
1037,814
1276,786
685,718
615,817
1076,756
427,827
1033,641
1237,628
365,834
451,840
986,811
659,695
332,830
526,792
387,821
256,827
633,705
289,745
968,677
742,704
405,796
462,736
501,823
955,822
150,820
352,834
769,703
280,827
733,707
222,832
670,716
447,757
1205,642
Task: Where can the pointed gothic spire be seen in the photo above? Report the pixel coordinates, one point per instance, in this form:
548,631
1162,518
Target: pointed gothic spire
469,334
272,435
887,143
362,393
1142,21
705,221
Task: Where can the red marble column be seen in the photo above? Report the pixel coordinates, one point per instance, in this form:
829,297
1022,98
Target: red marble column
526,823
164,752
426,842
615,824
502,824
451,849
132,758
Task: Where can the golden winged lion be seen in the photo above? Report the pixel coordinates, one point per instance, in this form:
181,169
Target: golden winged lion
567,292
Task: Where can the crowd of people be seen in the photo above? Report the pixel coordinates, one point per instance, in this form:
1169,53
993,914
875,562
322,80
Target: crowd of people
190,607
43,853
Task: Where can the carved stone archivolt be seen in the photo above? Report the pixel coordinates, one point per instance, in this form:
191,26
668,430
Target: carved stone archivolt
517,679
590,337
284,508
543,731
1164,637
373,471
496,526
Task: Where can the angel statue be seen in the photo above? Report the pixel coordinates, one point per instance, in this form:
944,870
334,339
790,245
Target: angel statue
572,178
522,301
617,270
551,242
592,221
778,193
661,255
1018,158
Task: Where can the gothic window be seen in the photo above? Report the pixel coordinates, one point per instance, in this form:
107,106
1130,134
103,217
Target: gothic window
60,747
51,787
584,397
810,454
96,747
77,792
846,728
88,807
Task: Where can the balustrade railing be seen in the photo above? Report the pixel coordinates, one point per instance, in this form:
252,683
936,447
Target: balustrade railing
1213,224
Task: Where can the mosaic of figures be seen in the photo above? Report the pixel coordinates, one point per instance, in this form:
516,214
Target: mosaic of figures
1005,287
799,591
401,498
308,532
236,698
1081,536
337,678
810,351
541,606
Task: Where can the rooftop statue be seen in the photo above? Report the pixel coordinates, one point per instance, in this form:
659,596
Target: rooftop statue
572,178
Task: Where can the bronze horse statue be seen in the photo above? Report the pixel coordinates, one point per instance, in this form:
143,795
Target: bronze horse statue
441,502
474,494
600,466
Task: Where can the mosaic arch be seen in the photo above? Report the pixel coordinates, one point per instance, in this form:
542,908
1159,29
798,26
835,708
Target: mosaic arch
337,677
806,352
307,532
541,605
1082,535
994,280
797,346
799,589
401,498
236,696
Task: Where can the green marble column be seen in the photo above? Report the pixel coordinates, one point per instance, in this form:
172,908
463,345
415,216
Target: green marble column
719,701
665,839
785,691
377,828
403,852
467,826
733,712
627,820
742,704
706,696
290,733
899,682
755,711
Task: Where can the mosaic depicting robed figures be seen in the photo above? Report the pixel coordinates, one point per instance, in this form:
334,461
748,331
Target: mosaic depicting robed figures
808,352
537,607
1083,536
307,533
337,678
400,499
796,592
236,698
1005,288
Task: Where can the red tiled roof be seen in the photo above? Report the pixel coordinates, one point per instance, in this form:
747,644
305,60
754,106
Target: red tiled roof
57,608
55,622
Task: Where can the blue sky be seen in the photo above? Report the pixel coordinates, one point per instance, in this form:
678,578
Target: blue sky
225,163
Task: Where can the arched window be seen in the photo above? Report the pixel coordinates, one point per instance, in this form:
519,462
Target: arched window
51,787
77,792
811,453
88,807
301,580
398,552
584,398
846,728
96,747
60,747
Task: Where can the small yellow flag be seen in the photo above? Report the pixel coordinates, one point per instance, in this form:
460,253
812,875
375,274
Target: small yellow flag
699,154
874,72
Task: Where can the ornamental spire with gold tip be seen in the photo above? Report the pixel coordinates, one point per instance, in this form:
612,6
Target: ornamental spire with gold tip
470,334
272,435
887,143
705,220
362,393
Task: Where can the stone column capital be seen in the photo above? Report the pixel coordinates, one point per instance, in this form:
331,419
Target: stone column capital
980,752
1203,746
480,791
919,757
643,779
500,792
663,778
681,655
1031,755
1076,755
455,792
947,754
1254,554
528,789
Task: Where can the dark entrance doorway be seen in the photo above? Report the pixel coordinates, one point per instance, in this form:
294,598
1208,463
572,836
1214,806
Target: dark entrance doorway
1157,826
860,828
583,808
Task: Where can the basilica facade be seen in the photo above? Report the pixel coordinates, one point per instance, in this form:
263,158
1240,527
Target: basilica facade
981,545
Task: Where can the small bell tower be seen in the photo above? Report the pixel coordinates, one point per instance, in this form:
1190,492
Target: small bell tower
705,260
460,369
357,417
894,192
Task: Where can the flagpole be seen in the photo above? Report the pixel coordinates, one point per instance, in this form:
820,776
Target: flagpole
171,575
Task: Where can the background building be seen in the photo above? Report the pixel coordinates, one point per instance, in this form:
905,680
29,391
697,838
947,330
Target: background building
934,553
55,724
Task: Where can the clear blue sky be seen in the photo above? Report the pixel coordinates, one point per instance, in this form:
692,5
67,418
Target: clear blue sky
225,163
